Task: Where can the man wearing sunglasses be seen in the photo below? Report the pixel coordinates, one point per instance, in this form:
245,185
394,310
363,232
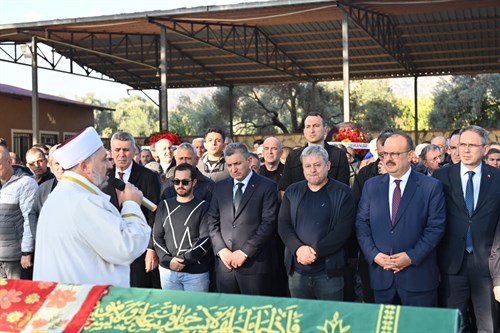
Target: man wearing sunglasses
180,235
204,186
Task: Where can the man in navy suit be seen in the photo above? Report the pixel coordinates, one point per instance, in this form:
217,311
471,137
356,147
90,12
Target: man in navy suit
242,224
400,221
471,224
143,271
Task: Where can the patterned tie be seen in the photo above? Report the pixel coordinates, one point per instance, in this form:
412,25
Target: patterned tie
121,175
469,202
237,196
396,200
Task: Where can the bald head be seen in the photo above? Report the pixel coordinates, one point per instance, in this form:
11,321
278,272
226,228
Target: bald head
272,150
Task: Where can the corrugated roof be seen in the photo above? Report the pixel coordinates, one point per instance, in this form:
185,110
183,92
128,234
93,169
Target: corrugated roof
279,41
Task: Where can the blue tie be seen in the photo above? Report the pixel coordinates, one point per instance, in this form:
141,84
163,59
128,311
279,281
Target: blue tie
469,202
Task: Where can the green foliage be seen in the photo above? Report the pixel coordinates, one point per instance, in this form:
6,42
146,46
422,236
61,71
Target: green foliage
103,119
136,115
467,100
407,119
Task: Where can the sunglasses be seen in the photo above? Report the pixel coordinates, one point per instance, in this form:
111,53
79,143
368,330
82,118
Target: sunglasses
183,181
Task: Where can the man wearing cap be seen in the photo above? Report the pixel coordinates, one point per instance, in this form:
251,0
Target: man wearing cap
82,237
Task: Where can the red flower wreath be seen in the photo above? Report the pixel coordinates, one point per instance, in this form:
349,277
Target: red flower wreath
173,137
347,134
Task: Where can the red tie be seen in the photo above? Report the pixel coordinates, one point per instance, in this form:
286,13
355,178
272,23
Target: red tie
396,199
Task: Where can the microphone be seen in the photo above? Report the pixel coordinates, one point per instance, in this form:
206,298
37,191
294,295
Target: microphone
120,186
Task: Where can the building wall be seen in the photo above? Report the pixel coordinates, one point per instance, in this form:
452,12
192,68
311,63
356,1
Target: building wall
55,117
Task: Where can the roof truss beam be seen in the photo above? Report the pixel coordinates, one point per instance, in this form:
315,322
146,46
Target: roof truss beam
382,30
124,46
249,42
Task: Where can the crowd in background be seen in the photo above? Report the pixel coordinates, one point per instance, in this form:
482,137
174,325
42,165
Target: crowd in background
403,225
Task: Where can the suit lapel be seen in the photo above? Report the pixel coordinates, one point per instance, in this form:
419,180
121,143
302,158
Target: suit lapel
456,187
133,174
408,193
484,188
384,190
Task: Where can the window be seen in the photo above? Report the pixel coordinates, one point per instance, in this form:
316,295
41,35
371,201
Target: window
21,142
49,138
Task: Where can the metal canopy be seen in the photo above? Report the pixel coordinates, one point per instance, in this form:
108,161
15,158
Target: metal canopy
272,42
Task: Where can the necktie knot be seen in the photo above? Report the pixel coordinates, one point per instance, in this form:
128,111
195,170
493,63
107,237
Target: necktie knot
397,181
471,174
121,175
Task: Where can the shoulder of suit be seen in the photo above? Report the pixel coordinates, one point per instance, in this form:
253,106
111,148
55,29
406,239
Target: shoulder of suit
258,178
377,179
490,169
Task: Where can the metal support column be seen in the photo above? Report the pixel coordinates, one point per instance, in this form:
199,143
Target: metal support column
163,78
345,63
231,110
415,92
34,92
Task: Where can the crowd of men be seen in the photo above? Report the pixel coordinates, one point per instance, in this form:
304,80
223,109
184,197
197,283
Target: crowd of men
415,226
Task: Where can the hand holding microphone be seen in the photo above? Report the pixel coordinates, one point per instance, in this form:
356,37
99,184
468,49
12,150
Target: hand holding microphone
127,191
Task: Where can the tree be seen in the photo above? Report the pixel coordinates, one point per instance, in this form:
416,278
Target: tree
135,115
373,104
406,121
102,118
467,100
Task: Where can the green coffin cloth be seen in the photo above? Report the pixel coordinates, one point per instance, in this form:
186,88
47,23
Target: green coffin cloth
148,310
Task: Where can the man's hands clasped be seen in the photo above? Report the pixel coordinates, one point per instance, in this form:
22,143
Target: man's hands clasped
395,262
232,259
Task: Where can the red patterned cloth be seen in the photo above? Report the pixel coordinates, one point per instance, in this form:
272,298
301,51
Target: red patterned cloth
28,306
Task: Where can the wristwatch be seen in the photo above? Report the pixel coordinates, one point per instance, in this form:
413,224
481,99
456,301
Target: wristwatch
26,253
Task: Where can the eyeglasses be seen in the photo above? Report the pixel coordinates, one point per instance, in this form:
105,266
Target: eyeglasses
183,181
469,146
384,155
40,161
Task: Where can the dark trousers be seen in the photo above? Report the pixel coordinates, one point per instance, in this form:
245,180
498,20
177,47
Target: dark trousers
139,278
399,296
233,282
457,290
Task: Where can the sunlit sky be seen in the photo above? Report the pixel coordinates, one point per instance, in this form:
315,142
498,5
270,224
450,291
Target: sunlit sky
19,11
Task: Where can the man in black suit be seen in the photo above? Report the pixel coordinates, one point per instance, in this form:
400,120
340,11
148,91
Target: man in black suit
473,210
241,224
143,271
315,132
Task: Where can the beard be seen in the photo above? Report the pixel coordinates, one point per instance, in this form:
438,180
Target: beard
100,181
184,193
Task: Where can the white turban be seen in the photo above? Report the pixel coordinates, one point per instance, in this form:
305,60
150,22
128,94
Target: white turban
78,148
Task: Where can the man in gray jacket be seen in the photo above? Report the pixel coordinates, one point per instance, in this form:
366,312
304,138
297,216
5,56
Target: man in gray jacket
17,190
